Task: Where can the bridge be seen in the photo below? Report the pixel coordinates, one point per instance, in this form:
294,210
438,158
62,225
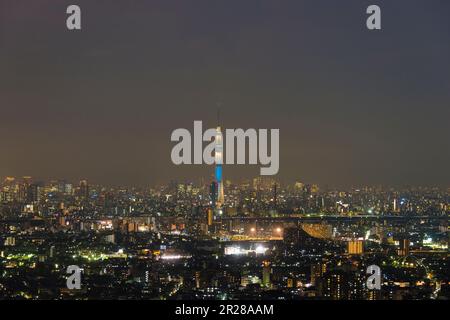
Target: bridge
318,218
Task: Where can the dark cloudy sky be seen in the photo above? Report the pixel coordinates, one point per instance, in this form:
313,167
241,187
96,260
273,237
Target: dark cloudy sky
353,106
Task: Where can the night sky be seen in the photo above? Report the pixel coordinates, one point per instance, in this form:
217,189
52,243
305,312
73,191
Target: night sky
354,107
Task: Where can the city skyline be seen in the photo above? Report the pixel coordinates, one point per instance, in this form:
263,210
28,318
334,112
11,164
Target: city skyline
265,242
207,180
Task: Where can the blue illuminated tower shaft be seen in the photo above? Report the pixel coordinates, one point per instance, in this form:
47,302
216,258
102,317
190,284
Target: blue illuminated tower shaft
218,171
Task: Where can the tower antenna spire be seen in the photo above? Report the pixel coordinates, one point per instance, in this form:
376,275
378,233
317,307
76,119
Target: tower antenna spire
218,113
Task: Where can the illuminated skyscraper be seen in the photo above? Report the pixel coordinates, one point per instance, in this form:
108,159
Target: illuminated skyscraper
33,192
404,247
355,247
266,274
395,206
219,161
213,193
84,189
210,217
317,271
334,285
